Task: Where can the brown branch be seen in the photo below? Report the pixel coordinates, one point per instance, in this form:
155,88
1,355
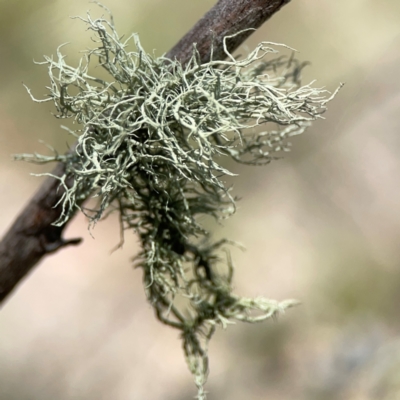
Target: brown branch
32,235
224,19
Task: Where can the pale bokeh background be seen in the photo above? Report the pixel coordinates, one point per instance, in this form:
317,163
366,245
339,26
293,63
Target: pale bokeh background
322,225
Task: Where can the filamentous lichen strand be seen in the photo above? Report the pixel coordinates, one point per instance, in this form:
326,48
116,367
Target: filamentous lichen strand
152,144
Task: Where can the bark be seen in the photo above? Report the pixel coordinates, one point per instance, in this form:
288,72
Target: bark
224,19
32,235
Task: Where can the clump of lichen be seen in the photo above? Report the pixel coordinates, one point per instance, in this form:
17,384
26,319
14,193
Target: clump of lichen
151,143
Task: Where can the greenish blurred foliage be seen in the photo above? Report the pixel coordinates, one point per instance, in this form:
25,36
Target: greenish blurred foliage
322,225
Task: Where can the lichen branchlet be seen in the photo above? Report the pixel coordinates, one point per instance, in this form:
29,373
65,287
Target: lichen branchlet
151,143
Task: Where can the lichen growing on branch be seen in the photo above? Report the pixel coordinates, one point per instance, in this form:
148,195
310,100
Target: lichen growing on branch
151,144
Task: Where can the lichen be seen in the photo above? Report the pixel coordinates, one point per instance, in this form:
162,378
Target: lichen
152,143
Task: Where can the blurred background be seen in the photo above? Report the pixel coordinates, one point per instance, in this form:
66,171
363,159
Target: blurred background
321,225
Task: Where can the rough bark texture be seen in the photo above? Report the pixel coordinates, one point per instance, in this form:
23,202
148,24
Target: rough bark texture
224,19
32,235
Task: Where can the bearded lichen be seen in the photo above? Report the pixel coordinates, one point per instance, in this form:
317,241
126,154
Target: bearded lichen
150,145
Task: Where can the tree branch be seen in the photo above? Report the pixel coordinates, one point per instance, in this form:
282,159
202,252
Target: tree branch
224,19
32,235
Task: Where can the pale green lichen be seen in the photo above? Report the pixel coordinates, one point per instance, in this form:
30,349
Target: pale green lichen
151,144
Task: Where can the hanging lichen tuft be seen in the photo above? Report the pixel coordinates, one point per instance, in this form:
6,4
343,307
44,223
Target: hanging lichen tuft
150,145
